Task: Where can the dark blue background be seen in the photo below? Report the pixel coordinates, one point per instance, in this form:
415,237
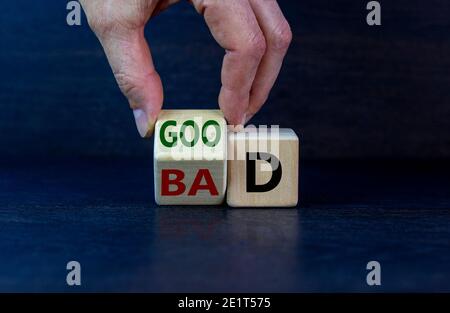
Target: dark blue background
76,181
348,89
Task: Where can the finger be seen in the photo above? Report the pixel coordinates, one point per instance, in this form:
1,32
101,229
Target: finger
129,56
234,26
133,68
278,37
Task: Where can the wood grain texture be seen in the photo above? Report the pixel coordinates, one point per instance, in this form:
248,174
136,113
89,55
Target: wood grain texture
284,147
101,213
195,161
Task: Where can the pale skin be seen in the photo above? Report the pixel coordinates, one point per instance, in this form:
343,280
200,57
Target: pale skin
254,34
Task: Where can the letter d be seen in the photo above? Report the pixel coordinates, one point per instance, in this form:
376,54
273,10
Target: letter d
251,172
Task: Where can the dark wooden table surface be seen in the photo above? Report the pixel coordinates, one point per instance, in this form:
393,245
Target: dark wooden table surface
102,213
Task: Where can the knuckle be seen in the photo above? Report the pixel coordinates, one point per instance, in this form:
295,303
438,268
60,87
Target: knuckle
281,37
100,25
127,84
256,46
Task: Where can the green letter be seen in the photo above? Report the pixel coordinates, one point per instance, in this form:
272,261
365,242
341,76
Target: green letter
195,139
171,134
218,134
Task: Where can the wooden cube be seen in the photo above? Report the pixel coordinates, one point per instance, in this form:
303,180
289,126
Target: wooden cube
263,168
190,157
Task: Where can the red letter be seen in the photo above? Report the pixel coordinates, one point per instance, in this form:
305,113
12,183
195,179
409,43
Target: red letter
166,182
209,183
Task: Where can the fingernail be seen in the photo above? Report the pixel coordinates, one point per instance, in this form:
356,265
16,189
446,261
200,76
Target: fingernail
244,119
238,127
143,123
248,117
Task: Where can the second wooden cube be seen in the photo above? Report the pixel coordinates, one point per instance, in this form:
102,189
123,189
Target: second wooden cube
263,168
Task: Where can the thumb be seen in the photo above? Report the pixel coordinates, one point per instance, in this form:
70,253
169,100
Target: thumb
130,58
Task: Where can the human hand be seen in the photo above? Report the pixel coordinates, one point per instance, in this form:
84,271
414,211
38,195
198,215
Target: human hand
254,34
